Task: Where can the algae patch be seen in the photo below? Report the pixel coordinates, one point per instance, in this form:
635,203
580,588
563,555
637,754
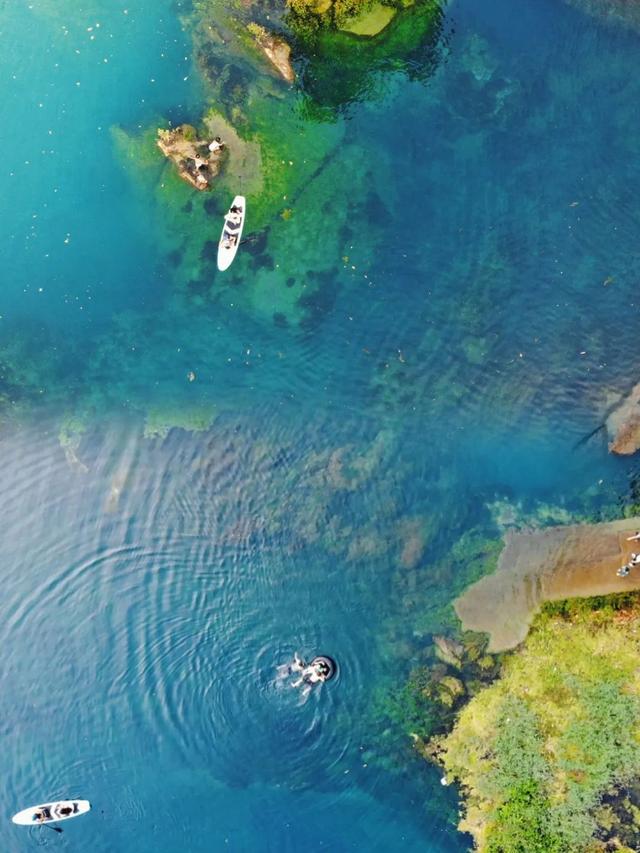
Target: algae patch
194,418
370,22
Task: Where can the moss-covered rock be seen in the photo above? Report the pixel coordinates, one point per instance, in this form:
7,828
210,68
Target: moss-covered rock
407,42
194,418
369,21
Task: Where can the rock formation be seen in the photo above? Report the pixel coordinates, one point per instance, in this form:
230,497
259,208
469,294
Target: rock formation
623,424
196,163
275,49
449,651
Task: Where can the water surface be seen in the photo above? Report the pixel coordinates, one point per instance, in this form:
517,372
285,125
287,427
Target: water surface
463,332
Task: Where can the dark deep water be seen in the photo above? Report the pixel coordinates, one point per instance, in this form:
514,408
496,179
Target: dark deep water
474,323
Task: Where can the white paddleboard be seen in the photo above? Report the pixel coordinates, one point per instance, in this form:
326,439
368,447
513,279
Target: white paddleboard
231,233
51,812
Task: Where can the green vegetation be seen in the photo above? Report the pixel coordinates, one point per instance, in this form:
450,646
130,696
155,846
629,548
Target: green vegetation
311,16
407,43
547,753
474,555
435,693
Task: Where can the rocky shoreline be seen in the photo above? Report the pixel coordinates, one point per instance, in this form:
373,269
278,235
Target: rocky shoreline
276,49
550,564
547,755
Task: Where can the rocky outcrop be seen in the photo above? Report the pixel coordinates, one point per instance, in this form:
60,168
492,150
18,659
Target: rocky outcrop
573,561
197,165
276,49
623,425
621,12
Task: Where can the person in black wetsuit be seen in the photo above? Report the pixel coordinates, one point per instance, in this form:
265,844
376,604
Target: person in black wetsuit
42,815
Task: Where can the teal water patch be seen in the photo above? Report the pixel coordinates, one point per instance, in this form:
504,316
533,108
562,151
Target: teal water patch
204,473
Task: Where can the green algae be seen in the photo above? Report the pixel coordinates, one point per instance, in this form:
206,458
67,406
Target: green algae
159,420
538,750
277,167
474,555
408,44
25,377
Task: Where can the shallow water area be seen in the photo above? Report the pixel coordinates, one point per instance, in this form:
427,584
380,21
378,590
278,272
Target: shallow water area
200,479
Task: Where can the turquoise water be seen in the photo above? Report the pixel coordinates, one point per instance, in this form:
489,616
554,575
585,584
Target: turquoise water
465,272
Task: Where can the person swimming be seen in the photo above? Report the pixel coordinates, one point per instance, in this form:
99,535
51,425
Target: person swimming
319,670
295,666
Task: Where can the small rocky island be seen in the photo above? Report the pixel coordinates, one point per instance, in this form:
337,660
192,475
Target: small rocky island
198,160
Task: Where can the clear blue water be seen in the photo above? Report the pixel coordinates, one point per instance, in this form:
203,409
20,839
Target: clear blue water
485,316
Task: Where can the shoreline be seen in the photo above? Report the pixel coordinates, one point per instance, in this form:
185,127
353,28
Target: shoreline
552,564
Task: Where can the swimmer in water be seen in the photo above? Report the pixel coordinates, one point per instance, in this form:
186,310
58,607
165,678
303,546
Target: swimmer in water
315,673
296,665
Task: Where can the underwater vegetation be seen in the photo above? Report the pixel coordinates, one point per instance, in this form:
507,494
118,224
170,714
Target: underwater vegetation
548,756
443,666
26,379
409,43
436,691
621,12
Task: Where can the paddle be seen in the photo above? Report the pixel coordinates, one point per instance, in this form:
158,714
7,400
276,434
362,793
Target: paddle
54,828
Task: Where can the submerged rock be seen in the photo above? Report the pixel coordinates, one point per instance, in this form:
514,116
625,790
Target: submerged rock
478,60
450,688
370,21
276,49
449,651
198,163
623,424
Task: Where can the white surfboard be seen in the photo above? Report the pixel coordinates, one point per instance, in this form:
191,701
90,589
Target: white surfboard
231,233
51,812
